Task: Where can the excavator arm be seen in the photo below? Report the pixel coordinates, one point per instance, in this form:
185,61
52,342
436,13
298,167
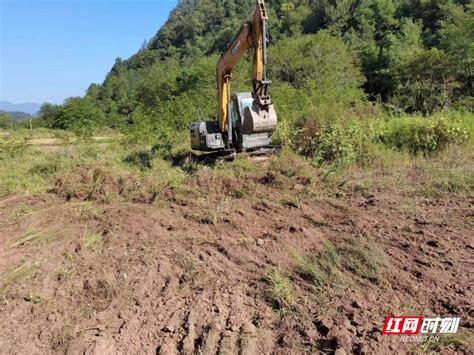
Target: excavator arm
252,35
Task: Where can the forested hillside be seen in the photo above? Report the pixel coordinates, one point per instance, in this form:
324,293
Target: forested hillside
328,60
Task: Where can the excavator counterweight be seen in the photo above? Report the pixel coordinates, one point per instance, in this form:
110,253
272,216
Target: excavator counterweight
246,121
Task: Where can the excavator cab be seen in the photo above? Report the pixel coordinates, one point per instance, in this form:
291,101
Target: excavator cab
250,127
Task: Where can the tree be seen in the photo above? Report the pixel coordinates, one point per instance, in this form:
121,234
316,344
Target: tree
424,82
457,38
49,113
144,45
317,62
430,13
338,15
159,84
321,81
81,115
373,22
293,17
6,121
389,38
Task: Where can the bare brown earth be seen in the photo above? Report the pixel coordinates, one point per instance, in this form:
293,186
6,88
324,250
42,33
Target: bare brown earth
181,271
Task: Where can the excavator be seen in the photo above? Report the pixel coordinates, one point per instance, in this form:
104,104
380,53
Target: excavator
246,121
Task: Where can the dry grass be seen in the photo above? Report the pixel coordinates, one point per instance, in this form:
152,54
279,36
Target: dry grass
87,210
92,241
364,258
21,212
18,275
96,183
33,236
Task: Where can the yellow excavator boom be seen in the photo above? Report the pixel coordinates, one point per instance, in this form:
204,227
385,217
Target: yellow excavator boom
251,35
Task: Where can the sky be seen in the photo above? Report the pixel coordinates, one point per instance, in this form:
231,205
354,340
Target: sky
54,49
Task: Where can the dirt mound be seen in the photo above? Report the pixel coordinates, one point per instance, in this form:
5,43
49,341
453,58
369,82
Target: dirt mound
205,181
97,183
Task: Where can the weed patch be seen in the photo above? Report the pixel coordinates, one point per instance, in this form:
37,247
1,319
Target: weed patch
279,292
95,183
87,210
12,148
439,181
221,182
292,202
341,144
422,135
92,241
320,269
210,214
407,209
18,275
363,258
289,165
46,169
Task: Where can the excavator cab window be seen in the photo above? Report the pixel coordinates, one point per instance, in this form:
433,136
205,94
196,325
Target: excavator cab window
234,113
245,102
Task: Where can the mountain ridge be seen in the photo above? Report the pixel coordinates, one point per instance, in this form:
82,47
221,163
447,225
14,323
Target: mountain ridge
30,108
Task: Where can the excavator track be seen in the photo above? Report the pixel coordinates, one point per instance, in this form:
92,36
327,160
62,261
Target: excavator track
229,155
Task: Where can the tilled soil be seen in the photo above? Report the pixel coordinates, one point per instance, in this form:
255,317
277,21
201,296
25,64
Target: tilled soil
189,275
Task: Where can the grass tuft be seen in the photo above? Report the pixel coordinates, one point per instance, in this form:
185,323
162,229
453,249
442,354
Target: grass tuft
364,258
407,209
318,269
92,241
87,210
280,292
292,202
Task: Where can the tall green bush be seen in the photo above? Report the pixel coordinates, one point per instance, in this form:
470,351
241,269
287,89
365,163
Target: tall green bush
420,135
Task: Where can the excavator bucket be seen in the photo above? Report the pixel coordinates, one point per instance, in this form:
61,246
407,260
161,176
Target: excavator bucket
258,120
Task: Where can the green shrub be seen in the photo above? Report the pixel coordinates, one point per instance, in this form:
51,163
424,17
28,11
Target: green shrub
332,145
360,141
341,144
422,135
12,148
47,168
